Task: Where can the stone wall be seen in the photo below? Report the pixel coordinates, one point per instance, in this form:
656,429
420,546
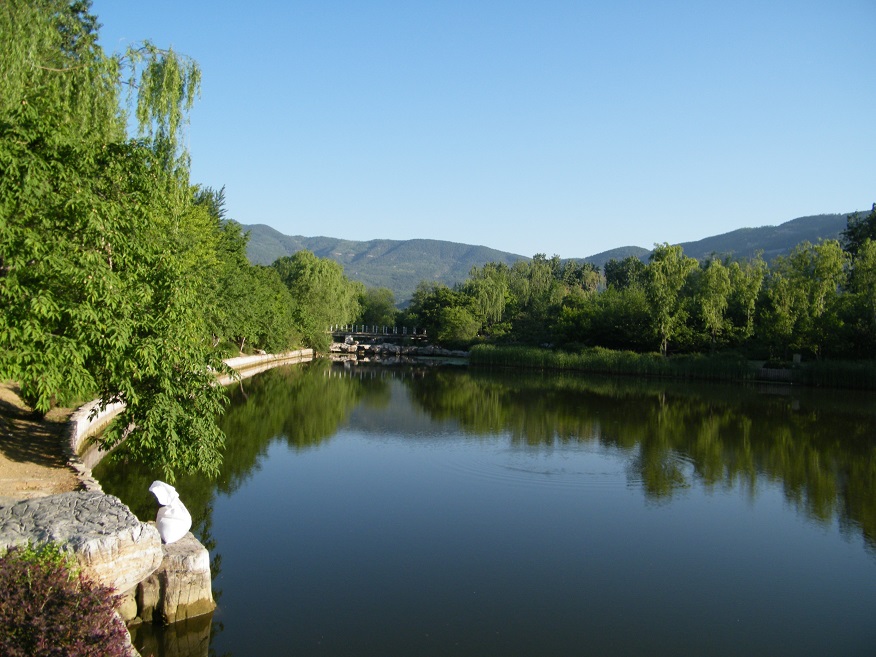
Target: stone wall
181,586
88,420
161,583
247,366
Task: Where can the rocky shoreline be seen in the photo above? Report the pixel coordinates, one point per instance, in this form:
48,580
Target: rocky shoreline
158,582
382,351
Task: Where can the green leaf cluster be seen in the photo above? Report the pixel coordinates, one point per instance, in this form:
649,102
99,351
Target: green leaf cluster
322,296
101,245
818,301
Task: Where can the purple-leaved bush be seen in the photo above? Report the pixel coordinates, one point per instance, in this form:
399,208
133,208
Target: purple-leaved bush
48,609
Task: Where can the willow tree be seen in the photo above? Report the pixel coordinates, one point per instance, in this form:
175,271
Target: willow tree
98,235
666,275
488,287
803,292
711,296
746,281
321,295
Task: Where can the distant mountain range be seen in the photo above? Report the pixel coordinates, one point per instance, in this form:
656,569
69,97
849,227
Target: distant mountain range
397,265
401,264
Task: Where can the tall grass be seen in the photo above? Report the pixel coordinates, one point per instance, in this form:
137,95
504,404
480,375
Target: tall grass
837,374
719,367
714,367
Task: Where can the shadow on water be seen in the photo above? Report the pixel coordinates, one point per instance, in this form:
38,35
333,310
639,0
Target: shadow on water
298,404
818,446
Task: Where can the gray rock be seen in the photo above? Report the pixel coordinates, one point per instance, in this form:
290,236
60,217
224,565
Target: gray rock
181,587
111,545
128,606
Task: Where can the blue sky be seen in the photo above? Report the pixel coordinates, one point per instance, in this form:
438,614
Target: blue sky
550,127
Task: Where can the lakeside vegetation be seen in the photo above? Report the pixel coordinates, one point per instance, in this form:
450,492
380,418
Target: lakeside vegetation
819,302
121,278
719,367
729,366
40,585
813,312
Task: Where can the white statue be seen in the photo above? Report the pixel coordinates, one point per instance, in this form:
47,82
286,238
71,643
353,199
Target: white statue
173,518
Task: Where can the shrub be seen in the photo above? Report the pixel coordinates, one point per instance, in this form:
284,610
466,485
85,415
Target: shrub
726,367
48,608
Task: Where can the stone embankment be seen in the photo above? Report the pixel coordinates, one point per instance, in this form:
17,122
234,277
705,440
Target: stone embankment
89,420
247,366
158,582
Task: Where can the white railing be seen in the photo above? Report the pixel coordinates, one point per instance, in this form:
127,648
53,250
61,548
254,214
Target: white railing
354,329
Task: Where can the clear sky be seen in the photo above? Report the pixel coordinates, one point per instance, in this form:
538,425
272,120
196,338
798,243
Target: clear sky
550,127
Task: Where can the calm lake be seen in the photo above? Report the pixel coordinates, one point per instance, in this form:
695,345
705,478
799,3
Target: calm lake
453,511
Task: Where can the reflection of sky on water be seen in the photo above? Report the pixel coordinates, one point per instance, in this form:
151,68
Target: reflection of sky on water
627,523
388,542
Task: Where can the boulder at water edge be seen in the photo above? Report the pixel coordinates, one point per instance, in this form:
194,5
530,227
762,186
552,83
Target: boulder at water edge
181,587
111,545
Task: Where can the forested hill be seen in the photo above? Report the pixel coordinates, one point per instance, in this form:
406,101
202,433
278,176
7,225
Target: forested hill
772,240
401,265
395,264
745,242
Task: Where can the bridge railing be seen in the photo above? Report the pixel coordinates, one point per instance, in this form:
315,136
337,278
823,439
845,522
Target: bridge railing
364,329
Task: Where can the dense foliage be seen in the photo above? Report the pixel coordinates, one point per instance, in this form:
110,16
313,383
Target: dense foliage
47,608
819,301
118,277
321,295
121,279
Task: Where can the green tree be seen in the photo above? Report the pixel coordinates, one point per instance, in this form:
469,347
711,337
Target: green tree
858,230
430,305
97,282
271,305
488,288
580,276
322,295
711,296
778,314
624,273
746,281
377,307
457,326
242,303
803,293
860,301
617,318
536,292
666,274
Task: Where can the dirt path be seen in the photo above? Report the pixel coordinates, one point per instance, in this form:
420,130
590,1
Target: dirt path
32,456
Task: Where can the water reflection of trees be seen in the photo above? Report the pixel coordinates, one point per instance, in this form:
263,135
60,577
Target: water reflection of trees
299,404
302,405
819,447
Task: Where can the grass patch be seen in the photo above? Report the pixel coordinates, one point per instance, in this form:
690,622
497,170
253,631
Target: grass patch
718,367
710,367
859,375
